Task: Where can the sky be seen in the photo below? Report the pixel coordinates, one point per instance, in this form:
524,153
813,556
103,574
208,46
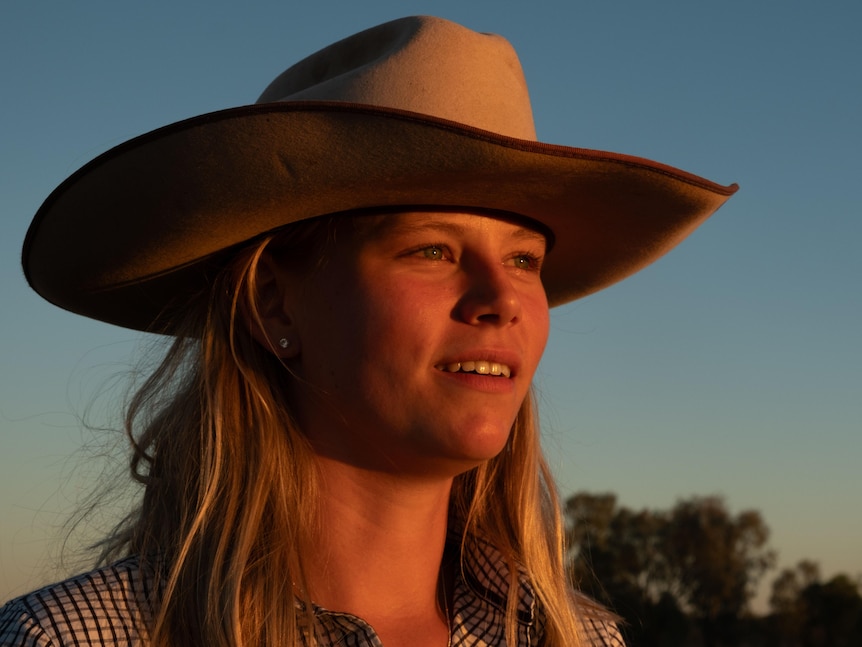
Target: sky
731,367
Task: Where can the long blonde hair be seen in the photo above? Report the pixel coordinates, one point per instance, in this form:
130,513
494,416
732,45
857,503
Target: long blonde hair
229,483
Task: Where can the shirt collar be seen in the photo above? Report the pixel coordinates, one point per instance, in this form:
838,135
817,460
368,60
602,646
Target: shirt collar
478,613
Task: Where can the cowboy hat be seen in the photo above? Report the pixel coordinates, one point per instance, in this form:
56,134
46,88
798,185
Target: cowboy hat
417,112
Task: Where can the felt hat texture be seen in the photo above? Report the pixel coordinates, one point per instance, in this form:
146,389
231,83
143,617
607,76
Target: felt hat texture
415,113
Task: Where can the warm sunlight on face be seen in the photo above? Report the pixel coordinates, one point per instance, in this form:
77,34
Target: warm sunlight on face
418,339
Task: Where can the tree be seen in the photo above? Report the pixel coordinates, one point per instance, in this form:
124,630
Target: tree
833,613
809,613
657,566
614,551
616,555
787,587
789,615
717,560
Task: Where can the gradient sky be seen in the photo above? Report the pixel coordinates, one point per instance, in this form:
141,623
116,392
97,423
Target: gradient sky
733,366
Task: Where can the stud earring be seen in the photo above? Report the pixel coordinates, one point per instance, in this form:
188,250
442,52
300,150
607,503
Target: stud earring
283,342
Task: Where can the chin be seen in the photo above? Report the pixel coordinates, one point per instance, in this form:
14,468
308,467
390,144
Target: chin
482,443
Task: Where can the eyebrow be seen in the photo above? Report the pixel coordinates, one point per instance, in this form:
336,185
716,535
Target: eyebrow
402,226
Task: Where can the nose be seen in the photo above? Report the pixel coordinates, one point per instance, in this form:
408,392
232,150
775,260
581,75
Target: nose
489,296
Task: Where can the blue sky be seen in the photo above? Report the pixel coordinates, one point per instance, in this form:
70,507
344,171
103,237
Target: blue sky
733,366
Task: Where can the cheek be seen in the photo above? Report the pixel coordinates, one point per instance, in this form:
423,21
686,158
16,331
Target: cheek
397,320
329,322
367,323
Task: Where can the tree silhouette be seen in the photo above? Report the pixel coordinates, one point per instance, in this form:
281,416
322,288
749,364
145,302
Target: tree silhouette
671,574
718,560
789,615
833,613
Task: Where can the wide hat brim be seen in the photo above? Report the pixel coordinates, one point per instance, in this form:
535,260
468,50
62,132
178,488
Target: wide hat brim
137,231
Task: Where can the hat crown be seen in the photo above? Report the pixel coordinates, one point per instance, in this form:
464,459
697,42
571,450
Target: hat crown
422,64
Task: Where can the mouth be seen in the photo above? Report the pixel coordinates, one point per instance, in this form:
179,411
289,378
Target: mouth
479,366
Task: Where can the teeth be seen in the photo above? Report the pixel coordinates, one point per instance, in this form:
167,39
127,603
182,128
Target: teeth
482,367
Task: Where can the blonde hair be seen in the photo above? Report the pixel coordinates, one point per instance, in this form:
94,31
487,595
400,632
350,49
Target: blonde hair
230,484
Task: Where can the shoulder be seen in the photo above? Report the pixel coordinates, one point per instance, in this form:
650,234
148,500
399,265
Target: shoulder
107,606
602,632
600,626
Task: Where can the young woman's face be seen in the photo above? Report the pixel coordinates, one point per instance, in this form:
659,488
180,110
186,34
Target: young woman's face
418,340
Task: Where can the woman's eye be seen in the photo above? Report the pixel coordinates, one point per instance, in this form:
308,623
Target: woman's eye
433,253
526,262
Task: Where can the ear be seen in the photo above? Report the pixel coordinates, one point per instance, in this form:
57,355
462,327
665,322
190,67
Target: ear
272,325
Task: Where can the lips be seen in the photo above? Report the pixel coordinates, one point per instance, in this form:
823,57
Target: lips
479,366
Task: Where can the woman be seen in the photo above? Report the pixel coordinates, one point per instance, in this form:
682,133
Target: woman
340,447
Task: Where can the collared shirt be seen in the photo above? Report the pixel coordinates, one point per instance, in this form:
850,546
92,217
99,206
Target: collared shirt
109,607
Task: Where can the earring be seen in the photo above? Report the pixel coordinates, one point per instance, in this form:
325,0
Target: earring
283,342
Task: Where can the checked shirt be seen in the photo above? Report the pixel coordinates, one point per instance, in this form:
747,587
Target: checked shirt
108,607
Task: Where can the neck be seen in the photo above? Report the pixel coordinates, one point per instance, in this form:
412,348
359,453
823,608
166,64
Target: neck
386,536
